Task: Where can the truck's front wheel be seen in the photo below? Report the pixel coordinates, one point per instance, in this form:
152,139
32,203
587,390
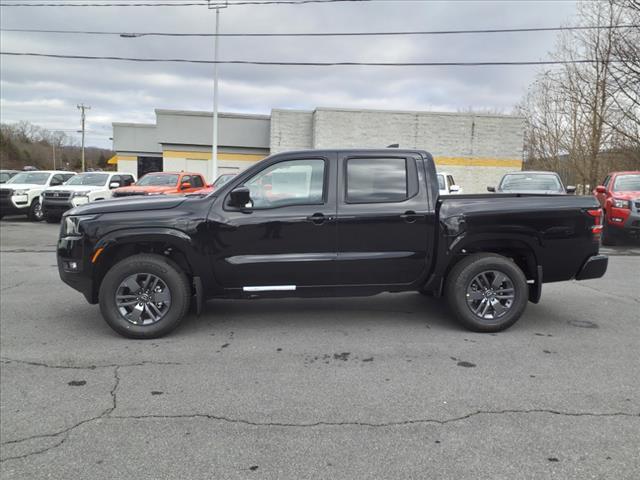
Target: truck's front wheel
144,296
487,292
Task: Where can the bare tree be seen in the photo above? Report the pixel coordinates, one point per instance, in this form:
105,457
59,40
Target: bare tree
576,113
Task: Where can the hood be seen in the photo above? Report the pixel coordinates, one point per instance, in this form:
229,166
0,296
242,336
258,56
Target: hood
143,189
628,195
21,186
128,204
75,188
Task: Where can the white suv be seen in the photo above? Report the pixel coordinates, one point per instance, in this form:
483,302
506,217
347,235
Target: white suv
80,190
20,195
447,185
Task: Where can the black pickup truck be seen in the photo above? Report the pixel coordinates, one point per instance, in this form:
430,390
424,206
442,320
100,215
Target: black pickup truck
327,223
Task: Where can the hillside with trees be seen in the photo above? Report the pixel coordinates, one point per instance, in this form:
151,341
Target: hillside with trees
25,144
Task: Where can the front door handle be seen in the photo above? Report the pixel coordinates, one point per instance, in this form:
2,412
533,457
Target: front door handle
317,218
409,216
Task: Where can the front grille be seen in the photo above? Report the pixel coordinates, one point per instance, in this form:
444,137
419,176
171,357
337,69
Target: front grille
57,195
6,192
127,194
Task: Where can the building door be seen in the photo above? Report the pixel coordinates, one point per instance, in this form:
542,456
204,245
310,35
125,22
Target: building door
149,164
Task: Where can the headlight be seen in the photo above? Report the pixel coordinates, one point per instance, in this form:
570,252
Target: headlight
71,224
21,192
620,203
82,194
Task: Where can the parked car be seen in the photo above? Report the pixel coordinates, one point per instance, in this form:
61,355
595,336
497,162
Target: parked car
20,195
5,175
220,181
447,185
619,196
163,183
327,223
81,189
532,182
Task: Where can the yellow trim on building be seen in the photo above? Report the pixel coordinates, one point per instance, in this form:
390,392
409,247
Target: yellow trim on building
478,162
245,157
116,158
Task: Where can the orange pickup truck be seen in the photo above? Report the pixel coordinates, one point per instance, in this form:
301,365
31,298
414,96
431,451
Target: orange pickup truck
163,183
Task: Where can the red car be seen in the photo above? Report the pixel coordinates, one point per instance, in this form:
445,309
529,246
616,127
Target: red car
619,196
163,183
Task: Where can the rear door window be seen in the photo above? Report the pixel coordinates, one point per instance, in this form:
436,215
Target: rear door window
376,180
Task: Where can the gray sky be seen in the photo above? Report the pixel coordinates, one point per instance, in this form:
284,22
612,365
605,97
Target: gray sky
46,91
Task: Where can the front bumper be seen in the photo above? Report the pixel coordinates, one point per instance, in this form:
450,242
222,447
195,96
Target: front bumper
16,205
624,219
55,207
75,269
594,267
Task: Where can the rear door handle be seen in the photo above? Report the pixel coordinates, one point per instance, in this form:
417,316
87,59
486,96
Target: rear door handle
409,216
317,218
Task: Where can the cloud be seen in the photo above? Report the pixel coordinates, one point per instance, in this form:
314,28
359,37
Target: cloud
46,91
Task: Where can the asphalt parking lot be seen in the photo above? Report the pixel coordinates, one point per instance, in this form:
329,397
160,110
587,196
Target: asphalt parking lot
381,387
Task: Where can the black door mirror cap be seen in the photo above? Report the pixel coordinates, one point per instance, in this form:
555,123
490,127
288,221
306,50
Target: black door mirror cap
240,197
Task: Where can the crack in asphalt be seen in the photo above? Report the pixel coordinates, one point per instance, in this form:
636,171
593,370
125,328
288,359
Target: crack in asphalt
7,360
19,284
107,413
67,430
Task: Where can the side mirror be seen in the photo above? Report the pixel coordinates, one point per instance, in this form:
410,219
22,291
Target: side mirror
454,189
491,189
240,197
55,183
113,185
571,189
601,189
185,185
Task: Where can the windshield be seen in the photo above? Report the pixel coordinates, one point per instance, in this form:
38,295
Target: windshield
222,179
531,182
158,180
441,185
627,183
89,179
35,178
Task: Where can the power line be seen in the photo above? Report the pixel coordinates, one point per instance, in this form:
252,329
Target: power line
181,4
320,34
303,64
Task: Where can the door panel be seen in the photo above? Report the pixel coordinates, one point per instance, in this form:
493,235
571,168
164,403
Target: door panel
382,242
288,238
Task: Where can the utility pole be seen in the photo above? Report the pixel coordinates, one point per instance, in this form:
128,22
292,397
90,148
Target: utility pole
53,146
217,5
82,107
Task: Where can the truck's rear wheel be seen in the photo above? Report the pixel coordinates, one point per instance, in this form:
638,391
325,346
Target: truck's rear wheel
487,292
144,296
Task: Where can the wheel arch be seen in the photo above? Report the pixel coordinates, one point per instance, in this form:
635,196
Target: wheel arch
172,243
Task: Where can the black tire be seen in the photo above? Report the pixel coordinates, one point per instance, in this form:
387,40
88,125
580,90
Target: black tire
35,211
460,279
608,236
162,267
52,218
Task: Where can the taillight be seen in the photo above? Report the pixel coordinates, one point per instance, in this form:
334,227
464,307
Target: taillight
596,229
